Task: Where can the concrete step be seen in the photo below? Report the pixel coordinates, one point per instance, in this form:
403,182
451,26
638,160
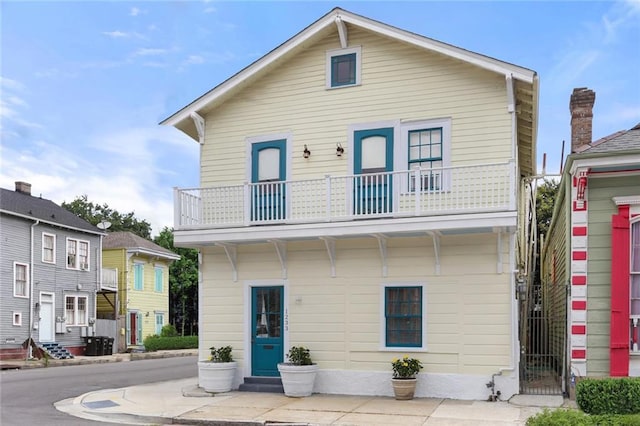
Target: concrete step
262,384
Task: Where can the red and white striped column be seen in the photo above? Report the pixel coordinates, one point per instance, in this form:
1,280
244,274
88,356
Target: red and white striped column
578,313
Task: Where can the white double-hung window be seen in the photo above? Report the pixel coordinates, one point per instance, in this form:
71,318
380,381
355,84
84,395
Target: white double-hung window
76,309
48,248
77,254
20,280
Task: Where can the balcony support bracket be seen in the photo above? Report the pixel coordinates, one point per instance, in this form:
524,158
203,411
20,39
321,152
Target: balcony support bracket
499,248
232,255
382,244
435,236
330,244
281,250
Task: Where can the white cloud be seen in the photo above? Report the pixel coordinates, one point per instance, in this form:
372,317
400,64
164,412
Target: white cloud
210,9
135,11
194,59
119,168
7,83
116,34
149,52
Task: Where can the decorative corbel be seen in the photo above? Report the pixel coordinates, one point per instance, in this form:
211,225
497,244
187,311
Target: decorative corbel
330,244
382,245
435,236
281,250
342,32
232,255
199,122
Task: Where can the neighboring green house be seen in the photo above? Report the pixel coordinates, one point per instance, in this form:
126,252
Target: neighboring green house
592,251
143,290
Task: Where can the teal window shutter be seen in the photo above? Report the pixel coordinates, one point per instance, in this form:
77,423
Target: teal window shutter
403,316
138,275
158,286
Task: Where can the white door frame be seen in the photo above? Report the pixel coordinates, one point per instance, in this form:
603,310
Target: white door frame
51,320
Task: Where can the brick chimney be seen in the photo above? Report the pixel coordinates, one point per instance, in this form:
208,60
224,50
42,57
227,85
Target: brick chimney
23,188
581,107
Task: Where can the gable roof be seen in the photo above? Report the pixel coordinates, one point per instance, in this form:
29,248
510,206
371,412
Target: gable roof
623,140
36,208
136,244
335,20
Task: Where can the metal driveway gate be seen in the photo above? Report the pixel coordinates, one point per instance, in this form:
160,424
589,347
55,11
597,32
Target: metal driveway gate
543,322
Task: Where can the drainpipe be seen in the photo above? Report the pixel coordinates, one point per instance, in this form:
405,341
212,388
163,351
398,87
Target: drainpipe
31,283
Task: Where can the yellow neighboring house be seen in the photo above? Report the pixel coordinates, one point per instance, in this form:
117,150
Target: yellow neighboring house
143,291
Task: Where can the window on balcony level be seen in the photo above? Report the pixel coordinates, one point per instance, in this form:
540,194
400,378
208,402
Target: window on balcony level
48,248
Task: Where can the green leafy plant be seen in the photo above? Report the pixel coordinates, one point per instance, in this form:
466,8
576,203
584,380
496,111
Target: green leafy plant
221,354
609,396
168,330
299,355
157,343
405,367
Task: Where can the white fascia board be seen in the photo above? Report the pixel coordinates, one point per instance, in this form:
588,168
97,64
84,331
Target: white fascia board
147,252
48,222
477,59
204,237
604,159
377,27
249,71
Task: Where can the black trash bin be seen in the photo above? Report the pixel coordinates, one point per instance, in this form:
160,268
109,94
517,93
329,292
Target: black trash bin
100,345
92,347
108,347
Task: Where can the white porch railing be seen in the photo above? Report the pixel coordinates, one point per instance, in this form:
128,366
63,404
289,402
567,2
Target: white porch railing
449,190
109,279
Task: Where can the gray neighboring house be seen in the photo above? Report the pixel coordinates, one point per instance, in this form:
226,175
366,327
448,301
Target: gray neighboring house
49,275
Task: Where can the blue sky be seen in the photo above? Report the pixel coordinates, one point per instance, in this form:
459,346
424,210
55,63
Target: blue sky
85,84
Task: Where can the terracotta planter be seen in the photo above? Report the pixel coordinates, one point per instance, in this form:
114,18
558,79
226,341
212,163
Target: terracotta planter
297,380
404,388
216,377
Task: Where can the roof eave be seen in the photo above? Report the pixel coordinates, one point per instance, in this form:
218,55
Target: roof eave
182,118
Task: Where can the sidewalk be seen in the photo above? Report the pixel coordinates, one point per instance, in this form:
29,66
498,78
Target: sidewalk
183,402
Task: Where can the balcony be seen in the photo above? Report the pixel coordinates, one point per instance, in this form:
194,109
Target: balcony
109,279
446,191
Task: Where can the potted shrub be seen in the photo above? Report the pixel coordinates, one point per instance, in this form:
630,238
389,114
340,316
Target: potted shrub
217,373
404,376
299,373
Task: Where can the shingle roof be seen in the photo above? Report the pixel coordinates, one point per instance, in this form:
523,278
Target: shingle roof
45,210
131,241
623,140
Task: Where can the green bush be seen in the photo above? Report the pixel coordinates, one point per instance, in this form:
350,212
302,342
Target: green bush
158,343
560,417
168,330
609,396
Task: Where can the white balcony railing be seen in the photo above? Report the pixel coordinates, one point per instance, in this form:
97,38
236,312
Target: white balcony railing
109,279
449,190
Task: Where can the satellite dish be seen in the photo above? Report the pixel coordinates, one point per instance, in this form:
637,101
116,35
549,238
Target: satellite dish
105,224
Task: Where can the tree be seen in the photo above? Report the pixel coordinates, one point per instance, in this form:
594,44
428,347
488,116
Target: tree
95,213
545,202
183,285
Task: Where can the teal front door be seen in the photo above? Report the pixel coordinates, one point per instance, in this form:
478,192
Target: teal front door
268,171
267,322
373,158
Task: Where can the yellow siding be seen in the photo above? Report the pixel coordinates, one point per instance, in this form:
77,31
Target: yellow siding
399,82
148,301
468,306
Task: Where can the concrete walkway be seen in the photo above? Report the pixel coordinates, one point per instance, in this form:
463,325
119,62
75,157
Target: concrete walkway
183,402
